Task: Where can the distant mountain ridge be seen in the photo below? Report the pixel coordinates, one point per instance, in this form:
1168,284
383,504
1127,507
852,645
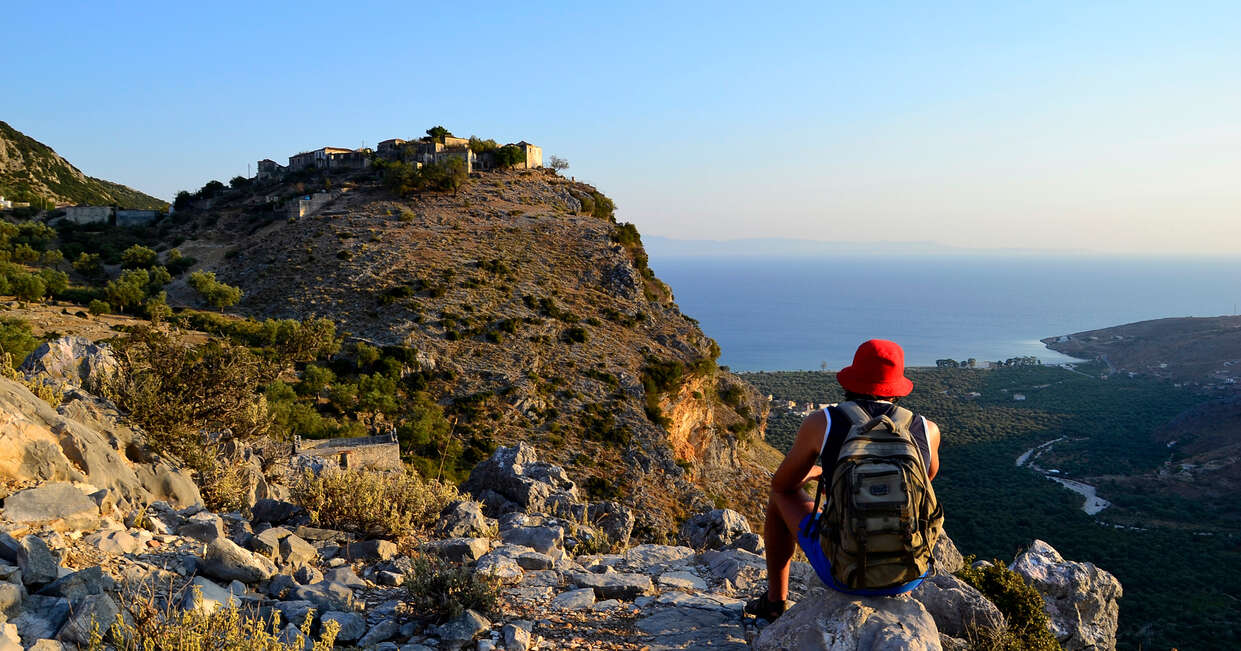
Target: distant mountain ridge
30,171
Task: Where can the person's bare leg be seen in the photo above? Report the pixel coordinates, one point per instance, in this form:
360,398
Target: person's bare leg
785,511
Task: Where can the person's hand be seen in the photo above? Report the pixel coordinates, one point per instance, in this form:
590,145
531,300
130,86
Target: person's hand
816,471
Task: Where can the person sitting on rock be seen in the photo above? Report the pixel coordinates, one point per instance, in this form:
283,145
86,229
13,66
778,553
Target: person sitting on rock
874,382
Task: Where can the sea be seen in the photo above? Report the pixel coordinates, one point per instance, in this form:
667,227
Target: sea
771,312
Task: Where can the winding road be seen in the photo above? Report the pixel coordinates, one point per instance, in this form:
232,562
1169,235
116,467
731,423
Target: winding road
1093,503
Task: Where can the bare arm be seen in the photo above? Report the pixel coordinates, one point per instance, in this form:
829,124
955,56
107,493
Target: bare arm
799,466
932,439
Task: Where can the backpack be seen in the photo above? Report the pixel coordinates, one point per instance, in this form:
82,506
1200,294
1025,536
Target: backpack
881,519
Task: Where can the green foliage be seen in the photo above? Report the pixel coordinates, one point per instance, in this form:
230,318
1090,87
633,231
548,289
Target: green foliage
509,156
480,146
55,282
99,307
574,335
17,340
134,286
214,292
291,340
438,133
1019,601
139,257
89,265
27,286
445,591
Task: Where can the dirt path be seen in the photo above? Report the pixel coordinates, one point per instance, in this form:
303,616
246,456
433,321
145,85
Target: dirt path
1093,503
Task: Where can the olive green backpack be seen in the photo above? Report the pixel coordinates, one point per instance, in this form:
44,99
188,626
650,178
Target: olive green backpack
881,519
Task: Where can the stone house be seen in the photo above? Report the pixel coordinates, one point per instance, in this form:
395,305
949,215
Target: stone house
136,217
88,214
330,158
270,169
370,452
533,154
390,148
310,204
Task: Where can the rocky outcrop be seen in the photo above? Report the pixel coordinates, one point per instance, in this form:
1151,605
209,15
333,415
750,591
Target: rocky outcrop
1079,598
73,362
714,529
828,620
84,440
513,480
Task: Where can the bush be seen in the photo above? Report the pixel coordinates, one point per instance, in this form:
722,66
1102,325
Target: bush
214,292
396,505
27,286
99,307
1019,601
445,591
89,265
144,627
17,339
139,257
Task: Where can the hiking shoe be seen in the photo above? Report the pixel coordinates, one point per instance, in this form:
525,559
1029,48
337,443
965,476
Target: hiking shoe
764,608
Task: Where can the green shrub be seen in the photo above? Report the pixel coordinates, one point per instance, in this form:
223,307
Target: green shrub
1019,601
27,286
139,257
574,335
396,505
17,339
214,292
99,307
89,265
445,591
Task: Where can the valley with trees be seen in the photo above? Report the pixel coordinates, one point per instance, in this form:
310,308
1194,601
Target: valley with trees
1166,550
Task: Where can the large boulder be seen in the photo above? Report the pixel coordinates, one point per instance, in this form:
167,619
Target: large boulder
226,561
513,479
59,505
957,608
72,361
947,558
1079,598
714,529
84,440
832,621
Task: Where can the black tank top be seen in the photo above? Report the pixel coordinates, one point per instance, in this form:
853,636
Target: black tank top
840,424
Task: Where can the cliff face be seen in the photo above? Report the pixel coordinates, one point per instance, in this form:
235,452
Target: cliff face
546,319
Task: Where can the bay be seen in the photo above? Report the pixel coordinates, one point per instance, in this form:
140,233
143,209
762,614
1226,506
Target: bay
802,312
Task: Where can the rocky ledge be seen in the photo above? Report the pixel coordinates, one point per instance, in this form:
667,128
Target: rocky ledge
86,532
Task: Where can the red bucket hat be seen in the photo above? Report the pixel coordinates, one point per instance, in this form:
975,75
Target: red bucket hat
878,370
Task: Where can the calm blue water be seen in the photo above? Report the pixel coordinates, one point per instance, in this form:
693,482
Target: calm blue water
791,314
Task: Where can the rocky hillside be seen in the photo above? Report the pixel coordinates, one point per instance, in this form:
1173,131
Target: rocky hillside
30,170
517,570
531,308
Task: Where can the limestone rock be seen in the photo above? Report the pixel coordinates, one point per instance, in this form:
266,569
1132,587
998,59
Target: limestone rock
381,632
80,584
1079,598
352,625
297,552
580,599
85,439
460,631
828,620
545,540
714,529
460,550
947,558
37,562
515,636
226,561
613,520
325,595
956,606
203,527
58,504
114,542
614,585
73,361
371,550
100,608
465,519
208,596
514,479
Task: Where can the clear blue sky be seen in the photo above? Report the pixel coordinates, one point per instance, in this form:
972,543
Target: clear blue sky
1106,125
